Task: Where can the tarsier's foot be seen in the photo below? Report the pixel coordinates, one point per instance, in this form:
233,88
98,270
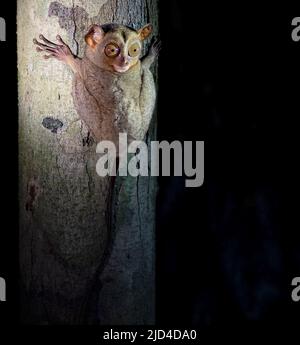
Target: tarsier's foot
155,48
60,51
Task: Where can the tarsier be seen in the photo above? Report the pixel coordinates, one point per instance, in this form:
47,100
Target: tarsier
113,89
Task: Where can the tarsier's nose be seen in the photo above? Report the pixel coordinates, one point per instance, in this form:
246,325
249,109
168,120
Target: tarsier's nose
124,61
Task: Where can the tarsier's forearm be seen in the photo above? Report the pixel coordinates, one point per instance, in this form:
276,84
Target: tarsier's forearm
75,64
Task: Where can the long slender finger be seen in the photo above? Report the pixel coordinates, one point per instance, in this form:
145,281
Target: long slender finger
46,57
43,38
60,40
41,45
157,45
47,49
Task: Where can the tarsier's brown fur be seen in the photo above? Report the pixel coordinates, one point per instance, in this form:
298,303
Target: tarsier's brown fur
114,90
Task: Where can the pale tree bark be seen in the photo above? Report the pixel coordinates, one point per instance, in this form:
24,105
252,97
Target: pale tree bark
76,269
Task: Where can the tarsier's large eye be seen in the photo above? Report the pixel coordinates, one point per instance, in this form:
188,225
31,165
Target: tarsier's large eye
134,50
112,50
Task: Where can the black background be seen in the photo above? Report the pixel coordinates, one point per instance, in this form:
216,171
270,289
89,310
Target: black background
227,251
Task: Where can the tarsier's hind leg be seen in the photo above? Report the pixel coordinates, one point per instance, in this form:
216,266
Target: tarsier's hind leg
90,113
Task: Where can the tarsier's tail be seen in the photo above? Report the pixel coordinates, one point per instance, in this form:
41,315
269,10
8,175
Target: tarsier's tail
91,312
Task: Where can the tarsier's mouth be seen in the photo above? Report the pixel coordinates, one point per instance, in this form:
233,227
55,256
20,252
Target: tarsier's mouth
121,69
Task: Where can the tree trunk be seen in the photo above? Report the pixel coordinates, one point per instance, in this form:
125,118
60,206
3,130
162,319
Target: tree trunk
76,269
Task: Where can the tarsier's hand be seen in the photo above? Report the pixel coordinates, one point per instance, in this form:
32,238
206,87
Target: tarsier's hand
60,51
155,48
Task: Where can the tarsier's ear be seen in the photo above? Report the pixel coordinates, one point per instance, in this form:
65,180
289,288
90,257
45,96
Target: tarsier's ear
94,35
145,31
